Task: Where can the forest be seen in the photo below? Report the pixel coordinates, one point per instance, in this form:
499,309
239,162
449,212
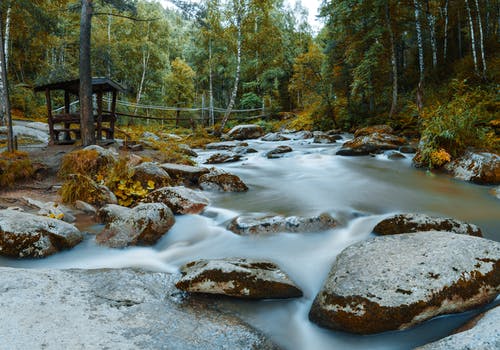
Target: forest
429,68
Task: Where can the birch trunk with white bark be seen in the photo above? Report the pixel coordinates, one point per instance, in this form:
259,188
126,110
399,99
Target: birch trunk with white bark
481,38
472,36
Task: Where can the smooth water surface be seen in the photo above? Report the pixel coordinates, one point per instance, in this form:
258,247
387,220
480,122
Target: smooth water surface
358,191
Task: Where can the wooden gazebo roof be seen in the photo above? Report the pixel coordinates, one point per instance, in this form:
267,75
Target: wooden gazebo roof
73,86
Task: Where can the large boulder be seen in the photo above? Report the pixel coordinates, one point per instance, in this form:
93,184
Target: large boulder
381,129
151,172
24,235
220,180
482,332
372,143
244,225
179,199
278,152
144,224
324,138
184,173
395,282
245,132
242,278
113,309
219,158
407,223
481,168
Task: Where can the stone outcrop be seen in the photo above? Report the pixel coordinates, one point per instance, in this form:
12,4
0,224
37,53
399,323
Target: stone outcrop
220,180
242,278
372,143
219,158
24,235
184,173
278,152
243,225
179,199
145,224
395,282
149,171
246,132
481,168
482,332
407,223
113,309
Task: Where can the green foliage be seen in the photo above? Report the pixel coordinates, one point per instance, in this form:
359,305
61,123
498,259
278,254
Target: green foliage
14,166
250,100
81,187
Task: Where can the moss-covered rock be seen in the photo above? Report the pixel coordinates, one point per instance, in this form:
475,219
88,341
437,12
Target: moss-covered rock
220,180
372,143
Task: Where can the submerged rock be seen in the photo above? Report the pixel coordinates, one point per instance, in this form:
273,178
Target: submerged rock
395,155
179,199
481,168
396,282
245,132
273,224
242,278
373,143
407,223
482,332
219,158
113,309
145,224
278,152
185,173
220,180
24,235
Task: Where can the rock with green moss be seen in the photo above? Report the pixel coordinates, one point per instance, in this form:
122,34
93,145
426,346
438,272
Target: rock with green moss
144,224
369,144
24,235
396,282
241,278
407,223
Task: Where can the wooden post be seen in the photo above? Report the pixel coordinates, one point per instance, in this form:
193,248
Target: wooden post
113,115
49,117
99,116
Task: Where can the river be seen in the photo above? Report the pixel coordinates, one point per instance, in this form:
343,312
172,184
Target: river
358,191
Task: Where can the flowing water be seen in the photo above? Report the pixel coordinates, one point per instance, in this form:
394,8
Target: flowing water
358,191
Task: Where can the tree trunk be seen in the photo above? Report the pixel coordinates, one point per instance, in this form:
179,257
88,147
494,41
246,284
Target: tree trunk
145,61
86,110
211,87
236,78
431,19
7,36
445,40
481,38
4,92
393,62
420,43
459,29
472,36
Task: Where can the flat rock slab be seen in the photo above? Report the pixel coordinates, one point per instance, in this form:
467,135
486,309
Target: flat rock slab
482,332
187,173
180,199
144,224
24,235
481,168
408,223
112,309
220,180
244,225
242,278
395,282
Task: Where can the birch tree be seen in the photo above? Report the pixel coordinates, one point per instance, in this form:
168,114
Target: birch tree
481,38
420,44
472,36
4,91
431,20
393,61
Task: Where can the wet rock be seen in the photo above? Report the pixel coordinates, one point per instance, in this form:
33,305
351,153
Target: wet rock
326,139
242,278
185,149
395,282
407,223
185,173
244,150
223,146
244,225
24,235
274,136
245,132
373,143
395,155
145,224
496,192
481,168
381,129
113,309
407,149
482,332
149,171
278,152
219,158
220,180
301,135
179,199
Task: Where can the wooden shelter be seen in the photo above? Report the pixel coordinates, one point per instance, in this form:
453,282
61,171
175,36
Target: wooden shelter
62,126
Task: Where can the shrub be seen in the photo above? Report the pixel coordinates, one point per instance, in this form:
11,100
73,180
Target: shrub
14,166
81,187
85,162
